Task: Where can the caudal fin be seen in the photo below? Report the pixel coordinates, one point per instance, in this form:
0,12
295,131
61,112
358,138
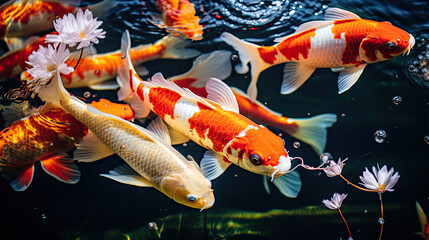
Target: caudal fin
248,54
313,130
176,48
54,91
216,64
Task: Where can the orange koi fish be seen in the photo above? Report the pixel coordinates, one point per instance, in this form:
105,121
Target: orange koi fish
217,64
21,18
94,70
178,17
13,63
213,123
343,42
45,137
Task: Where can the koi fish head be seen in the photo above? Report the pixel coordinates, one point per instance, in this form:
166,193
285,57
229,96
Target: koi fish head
123,111
189,188
261,151
386,42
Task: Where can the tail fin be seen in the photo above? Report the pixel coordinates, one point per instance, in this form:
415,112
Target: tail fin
176,48
216,64
313,130
124,77
54,91
248,53
102,8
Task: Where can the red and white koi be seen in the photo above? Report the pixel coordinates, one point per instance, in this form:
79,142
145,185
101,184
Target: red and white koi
178,17
343,42
94,70
213,123
217,64
21,18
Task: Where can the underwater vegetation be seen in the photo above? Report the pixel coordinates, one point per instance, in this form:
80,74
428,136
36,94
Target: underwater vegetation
208,86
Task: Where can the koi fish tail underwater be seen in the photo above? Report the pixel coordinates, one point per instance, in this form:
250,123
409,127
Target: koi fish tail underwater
159,119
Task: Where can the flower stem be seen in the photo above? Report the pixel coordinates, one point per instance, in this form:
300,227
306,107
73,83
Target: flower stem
345,223
382,217
354,185
80,56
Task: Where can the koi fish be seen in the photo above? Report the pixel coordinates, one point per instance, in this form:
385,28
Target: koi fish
214,123
343,42
424,225
217,64
94,70
178,17
45,137
13,63
21,18
152,162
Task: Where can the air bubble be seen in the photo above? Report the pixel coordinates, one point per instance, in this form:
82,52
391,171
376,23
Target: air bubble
152,226
380,136
343,115
44,216
296,144
51,144
424,70
381,220
324,157
86,94
236,175
397,100
184,144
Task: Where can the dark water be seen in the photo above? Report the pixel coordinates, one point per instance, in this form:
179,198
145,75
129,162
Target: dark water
98,208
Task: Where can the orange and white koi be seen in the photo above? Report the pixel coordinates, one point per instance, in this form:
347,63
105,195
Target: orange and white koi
45,137
21,18
217,64
94,70
343,42
179,18
150,159
213,123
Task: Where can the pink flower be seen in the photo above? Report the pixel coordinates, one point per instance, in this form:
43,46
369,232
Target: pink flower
335,169
382,180
335,202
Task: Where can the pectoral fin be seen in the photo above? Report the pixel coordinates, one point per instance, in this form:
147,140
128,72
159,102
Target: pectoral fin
213,165
289,184
19,178
294,75
348,77
91,149
125,174
62,168
177,137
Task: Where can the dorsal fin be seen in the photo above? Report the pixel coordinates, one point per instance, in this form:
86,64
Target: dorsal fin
219,92
333,14
158,81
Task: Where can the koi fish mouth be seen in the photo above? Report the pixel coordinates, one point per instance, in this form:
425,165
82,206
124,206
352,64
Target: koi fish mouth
410,45
281,168
208,205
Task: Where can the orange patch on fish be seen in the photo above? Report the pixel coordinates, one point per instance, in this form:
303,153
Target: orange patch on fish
268,54
164,101
187,82
354,31
297,44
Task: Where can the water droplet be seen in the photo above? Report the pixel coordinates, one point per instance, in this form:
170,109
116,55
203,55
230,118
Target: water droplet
365,211
380,136
280,134
381,220
95,95
44,216
86,94
343,115
324,157
51,144
426,139
152,226
236,175
397,100
234,57
72,138
296,144
184,144
308,114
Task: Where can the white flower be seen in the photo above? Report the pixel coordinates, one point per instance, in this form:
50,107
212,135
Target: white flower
72,30
335,202
45,61
335,169
382,180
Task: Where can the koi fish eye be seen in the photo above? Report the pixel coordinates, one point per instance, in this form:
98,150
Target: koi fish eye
255,159
390,45
192,197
